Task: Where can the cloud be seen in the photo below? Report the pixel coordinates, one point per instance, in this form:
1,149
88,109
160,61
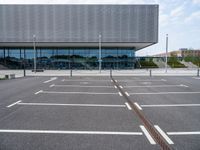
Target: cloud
177,12
196,1
163,19
193,16
173,17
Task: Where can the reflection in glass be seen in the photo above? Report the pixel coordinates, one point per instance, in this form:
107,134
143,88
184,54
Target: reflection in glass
66,58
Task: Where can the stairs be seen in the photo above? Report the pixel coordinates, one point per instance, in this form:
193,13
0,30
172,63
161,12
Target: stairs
160,62
189,64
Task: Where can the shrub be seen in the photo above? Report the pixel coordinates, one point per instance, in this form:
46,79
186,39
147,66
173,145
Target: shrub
174,63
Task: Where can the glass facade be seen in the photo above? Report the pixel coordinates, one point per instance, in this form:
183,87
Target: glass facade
66,58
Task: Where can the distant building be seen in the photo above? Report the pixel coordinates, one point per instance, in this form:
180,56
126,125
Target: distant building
161,55
195,53
183,52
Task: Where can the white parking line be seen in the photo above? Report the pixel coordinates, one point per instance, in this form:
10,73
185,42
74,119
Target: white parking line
170,105
13,104
198,78
38,92
115,86
85,80
78,105
146,133
137,105
141,80
128,106
163,93
164,135
154,86
79,86
120,94
54,78
89,93
127,93
184,85
70,132
121,87
52,85
184,133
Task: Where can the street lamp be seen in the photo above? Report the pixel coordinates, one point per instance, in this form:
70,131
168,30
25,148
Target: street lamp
34,40
166,53
100,60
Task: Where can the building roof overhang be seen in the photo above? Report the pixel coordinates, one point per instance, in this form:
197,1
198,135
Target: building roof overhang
136,46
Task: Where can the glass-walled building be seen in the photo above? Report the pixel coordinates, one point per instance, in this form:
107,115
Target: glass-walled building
64,58
70,36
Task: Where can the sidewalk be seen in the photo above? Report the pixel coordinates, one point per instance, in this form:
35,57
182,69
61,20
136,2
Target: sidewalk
135,72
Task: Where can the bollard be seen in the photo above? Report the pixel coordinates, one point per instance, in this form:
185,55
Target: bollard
110,72
150,73
24,70
198,72
6,76
71,73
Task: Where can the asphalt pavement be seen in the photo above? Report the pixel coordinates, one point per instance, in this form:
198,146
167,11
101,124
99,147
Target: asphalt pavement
90,113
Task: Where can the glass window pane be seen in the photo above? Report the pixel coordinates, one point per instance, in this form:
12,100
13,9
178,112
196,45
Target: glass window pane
1,53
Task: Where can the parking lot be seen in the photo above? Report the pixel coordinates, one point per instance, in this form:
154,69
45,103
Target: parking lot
91,112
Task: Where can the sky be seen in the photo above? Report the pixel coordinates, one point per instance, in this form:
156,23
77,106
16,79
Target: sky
180,19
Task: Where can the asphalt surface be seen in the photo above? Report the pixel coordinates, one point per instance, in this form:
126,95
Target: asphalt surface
170,118
89,113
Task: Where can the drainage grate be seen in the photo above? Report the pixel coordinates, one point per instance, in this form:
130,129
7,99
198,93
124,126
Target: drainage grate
149,126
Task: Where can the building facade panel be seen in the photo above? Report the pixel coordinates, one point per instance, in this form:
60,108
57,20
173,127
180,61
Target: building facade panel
79,23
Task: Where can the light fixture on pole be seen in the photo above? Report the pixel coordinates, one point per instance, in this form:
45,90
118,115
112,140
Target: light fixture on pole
34,40
166,55
100,60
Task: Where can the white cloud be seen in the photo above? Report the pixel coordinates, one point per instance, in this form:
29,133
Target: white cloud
193,16
196,1
177,12
163,19
173,17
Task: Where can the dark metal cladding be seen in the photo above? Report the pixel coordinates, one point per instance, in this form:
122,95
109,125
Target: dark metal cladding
79,23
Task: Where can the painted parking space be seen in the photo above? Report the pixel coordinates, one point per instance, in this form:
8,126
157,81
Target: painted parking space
92,89
72,118
77,98
97,108
155,99
61,141
73,110
174,108
86,82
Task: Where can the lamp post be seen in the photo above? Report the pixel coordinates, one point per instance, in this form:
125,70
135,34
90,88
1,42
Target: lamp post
166,53
100,60
34,40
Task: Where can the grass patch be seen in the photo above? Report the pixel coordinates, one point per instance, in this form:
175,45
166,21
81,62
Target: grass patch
2,78
147,63
173,62
194,60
